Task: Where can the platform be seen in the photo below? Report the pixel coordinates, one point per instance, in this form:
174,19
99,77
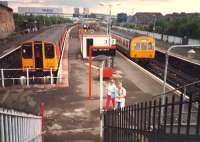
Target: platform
63,69
70,114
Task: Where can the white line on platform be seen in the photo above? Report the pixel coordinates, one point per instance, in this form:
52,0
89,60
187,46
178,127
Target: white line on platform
93,66
65,45
145,71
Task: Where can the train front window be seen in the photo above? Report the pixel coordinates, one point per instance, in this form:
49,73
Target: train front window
150,46
137,46
27,50
144,46
49,51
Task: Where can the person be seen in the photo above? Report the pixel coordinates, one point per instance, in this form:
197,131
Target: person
110,94
121,95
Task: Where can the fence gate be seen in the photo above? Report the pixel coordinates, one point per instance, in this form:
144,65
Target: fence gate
177,120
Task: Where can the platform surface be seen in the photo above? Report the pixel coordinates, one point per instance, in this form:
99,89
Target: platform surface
70,114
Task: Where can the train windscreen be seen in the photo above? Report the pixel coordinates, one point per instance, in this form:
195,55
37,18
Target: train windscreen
151,46
27,50
137,46
144,46
49,50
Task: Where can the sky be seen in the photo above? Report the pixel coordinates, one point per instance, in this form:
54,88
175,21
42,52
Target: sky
128,6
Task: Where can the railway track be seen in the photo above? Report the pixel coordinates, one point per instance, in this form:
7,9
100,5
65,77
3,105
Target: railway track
180,73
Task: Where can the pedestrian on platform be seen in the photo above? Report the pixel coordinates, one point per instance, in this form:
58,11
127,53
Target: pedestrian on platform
110,94
120,96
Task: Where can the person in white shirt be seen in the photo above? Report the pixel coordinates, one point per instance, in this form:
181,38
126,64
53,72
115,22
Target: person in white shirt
121,95
110,94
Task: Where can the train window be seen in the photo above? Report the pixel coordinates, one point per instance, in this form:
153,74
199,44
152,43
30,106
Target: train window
144,46
137,46
150,46
27,50
49,51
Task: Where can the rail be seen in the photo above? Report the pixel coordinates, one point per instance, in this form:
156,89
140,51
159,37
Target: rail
143,122
20,127
18,76
182,90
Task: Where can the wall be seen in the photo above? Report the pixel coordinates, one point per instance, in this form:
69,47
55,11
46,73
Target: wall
7,25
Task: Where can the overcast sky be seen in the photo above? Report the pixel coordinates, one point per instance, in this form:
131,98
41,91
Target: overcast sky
128,6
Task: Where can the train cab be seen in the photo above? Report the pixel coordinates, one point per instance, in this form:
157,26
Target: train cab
142,47
39,55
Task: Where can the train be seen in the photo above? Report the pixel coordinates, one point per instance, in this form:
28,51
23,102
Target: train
137,47
42,53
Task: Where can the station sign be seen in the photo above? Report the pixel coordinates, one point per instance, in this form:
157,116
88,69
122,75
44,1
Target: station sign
106,52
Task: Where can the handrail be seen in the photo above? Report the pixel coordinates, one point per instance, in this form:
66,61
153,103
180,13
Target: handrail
177,89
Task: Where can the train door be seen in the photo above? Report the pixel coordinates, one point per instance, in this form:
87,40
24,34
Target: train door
38,55
89,42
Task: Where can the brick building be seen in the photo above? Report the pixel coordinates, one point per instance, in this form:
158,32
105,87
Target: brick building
7,25
146,18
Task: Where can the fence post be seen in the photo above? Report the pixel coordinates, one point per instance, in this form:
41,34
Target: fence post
42,112
101,101
2,78
51,73
27,77
2,129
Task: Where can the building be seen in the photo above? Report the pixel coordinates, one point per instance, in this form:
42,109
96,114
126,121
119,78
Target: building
146,18
121,17
7,25
45,11
5,3
86,11
76,12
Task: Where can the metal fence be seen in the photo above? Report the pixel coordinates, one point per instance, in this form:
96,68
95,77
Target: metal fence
27,77
177,120
19,127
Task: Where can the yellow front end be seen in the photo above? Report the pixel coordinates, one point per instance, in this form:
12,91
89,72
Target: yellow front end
142,47
50,61
27,56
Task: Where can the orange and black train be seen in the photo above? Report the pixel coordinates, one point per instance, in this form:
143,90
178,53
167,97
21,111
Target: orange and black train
43,52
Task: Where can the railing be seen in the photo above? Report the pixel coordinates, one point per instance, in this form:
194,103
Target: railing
10,77
186,90
145,122
20,127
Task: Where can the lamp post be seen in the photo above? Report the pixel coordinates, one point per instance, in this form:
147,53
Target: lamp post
154,23
163,96
110,13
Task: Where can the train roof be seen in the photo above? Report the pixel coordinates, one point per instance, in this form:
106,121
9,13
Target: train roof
130,36
51,35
